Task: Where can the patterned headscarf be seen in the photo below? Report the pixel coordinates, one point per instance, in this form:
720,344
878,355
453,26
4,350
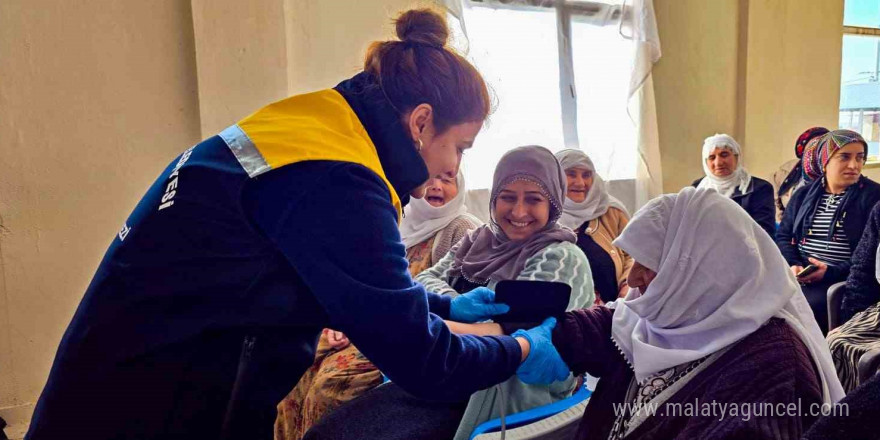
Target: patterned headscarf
810,160
805,137
797,173
486,253
817,155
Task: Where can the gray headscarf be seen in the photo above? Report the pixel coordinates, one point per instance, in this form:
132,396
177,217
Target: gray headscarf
486,253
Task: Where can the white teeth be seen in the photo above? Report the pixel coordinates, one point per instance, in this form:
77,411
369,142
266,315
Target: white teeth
519,224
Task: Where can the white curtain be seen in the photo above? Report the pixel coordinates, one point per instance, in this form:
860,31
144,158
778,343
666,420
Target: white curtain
639,25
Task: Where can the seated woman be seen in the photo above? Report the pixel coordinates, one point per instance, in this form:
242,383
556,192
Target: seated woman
824,220
722,163
712,319
860,310
431,225
523,242
790,177
597,218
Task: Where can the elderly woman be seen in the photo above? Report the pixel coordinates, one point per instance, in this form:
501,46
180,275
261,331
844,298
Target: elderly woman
825,220
523,242
713,317
722,163
431,225
790,177
597,218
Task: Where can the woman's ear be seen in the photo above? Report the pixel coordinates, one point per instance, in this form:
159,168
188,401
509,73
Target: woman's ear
419,118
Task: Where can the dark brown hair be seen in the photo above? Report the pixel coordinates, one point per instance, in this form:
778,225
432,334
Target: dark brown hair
420,68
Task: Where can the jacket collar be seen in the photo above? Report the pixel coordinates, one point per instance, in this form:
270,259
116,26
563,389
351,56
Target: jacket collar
403,165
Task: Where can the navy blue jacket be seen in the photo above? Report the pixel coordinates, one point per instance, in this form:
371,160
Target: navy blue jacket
758,201
852,213
203,316
862,289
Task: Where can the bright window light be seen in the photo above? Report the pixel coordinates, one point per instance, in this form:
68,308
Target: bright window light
602,64
516,51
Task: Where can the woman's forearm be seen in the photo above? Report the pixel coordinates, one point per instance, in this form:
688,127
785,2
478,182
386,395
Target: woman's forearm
480,329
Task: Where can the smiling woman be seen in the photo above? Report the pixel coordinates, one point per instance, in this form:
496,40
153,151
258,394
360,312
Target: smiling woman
521,209
523,242
597,218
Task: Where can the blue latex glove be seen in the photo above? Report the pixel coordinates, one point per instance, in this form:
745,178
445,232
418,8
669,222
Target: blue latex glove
476,305
543,365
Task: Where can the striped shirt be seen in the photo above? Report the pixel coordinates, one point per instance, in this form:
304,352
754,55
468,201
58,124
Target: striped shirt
816,243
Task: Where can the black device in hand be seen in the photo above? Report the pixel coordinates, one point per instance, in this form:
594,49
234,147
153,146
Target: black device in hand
807,270
531,301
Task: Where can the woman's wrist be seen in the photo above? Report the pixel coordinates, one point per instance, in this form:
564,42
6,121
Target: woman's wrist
524,346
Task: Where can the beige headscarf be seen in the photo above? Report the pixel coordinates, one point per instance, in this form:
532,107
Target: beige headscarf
574,214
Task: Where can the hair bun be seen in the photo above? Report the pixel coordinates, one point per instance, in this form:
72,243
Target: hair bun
422,26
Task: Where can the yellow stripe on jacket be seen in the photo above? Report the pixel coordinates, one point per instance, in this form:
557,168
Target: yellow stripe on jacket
314,126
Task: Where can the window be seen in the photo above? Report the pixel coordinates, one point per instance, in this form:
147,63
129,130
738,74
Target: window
560,73
860,72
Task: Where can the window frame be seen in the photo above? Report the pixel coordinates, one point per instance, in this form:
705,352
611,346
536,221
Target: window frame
566,11
872,162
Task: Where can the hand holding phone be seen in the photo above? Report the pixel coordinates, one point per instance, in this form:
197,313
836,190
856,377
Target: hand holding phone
807,270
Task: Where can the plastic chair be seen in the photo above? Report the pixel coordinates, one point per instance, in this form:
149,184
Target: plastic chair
557,420
835,299
869,362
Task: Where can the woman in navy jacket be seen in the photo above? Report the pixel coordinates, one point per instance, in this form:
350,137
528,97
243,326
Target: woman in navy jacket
824,221
207,306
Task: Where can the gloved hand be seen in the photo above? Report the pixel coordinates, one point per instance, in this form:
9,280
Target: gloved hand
543,365
476,305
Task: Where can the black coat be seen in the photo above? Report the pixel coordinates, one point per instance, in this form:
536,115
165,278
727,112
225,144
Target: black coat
862,289
758,201
853,212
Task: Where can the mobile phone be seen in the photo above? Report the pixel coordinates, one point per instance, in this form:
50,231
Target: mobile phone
807,270
531,301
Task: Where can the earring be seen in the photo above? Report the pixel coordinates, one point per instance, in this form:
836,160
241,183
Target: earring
421,145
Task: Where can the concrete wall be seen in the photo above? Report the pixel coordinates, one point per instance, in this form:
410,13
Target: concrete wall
761,70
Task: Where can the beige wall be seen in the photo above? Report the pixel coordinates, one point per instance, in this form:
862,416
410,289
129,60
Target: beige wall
95,98
793,80
241,53
748,68
329,41
694,81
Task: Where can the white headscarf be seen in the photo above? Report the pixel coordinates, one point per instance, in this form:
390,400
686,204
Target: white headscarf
719,278
739,178
574,214
421,220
